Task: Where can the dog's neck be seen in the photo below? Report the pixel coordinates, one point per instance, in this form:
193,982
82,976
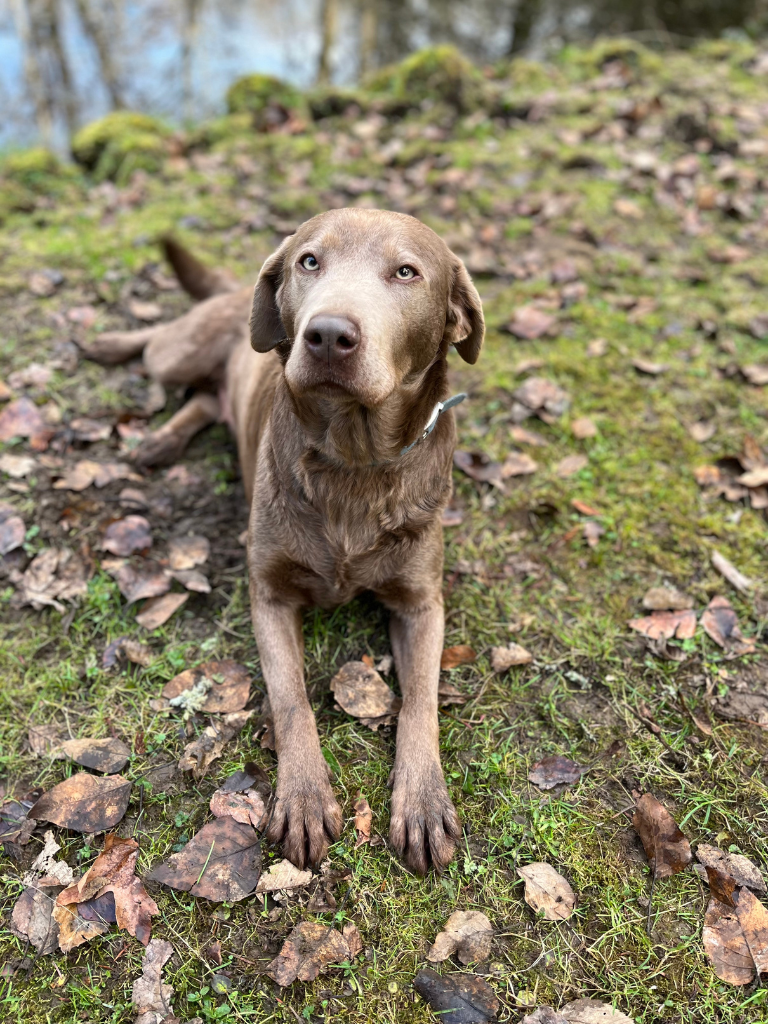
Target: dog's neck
348,434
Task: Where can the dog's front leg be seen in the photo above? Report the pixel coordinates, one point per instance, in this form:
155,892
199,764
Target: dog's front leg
306,816
424,827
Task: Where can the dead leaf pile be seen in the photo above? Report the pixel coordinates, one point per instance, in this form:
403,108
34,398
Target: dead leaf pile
361,692
53,576
742,477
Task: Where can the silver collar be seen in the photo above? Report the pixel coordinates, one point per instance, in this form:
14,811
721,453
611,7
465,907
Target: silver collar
434,417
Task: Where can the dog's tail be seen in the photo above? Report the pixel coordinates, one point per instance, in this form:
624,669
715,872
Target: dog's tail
200,281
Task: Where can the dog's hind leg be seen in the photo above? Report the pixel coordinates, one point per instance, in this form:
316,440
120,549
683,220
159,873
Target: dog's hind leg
168,442
113,347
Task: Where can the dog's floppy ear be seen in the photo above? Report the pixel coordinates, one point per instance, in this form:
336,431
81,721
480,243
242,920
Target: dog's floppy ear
465,325
267,329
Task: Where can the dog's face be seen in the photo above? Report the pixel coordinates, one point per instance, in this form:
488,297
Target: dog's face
364,301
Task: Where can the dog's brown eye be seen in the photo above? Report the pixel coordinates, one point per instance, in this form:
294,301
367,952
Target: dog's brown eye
405,273
309,262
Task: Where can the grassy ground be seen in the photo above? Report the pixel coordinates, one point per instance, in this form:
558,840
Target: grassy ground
538,182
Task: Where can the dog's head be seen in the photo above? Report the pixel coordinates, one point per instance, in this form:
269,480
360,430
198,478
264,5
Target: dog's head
363,301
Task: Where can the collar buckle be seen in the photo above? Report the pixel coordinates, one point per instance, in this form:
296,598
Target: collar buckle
441,407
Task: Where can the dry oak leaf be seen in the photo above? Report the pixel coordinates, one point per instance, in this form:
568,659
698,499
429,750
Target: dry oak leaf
281,876
529,323
458,998
570,465
541,397
158,610
592,1011
721,624
150,996
309,949
667,849
736,865
113,871
125,536
106,755
731,573
467,931
227,686
361,692
452,657
220,862
209,744
665,625
32,916
188,552
135,583
363,821
555,770
503,658
546,891
663,599
85,803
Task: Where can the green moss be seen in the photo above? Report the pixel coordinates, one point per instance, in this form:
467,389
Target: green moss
122,142
220,129
593,59
269,100
439,74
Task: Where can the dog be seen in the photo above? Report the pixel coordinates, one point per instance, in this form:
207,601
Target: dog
336,395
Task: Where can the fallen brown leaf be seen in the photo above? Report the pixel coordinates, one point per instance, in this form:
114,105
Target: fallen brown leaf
188,552
146,311
113,871
503,658
517,464
628,209
361,692
17,466
648,367
150,997
46,867
458,998
592,1011
725,945
666,599
555,770
158,610
583,428
249,808
755,477
739,867
546,891
702,431
125,536
86,473
43,738
135,652
452,657
755,374
107,755
529,323
16,826
592,533
12,530
719,622
570,465
584,509
208,746
540,397
667,849
468,932
220,862
21,418
32,916
85,803
363,821
214,687
192,580
731,573
137,582
665,625
478,466
55,575
85,429
283,876
522,436
309,949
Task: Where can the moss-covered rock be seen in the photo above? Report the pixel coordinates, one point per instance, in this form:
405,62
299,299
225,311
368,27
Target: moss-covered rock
334,100
592,60
29,174
270,101
122,142
439,73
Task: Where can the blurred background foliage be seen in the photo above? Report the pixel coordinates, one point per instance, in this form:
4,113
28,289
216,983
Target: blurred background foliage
64,63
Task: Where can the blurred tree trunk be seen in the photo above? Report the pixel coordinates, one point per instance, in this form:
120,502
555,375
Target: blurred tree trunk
50,14
191,9
524,17
369,31
93,21
328,25
33,71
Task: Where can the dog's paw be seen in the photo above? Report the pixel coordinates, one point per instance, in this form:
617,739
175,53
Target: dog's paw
424,827
157,450
306,816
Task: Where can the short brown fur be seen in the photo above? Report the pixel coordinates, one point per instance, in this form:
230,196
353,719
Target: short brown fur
336,509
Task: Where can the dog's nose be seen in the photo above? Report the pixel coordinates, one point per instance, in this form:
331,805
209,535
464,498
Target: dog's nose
331,338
